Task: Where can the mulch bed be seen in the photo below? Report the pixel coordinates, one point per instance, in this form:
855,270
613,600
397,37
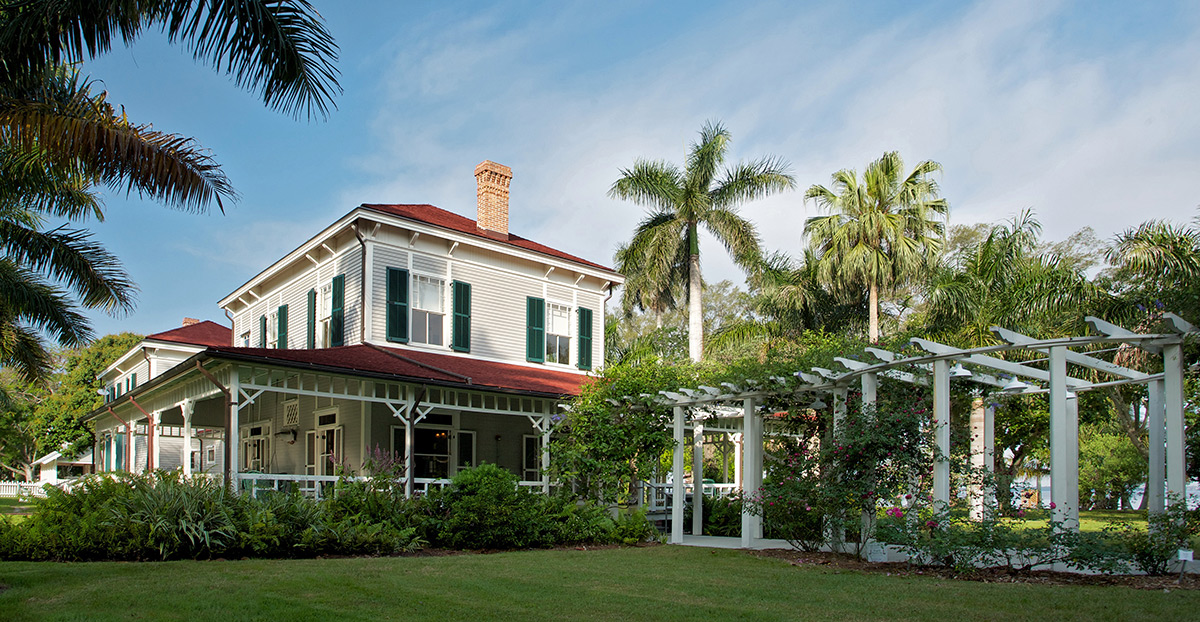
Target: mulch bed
840,562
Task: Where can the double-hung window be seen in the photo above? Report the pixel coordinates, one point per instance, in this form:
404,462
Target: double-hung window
558,334
428,310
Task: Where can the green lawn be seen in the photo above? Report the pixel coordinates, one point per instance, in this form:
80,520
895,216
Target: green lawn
658,583
9,506
1095,520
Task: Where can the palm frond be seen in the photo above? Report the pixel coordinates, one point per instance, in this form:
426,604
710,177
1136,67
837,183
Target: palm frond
280,48
74,258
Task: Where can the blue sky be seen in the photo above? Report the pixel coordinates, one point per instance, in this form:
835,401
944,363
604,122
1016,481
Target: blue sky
1083,111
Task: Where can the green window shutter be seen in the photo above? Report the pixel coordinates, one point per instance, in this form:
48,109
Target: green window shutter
133,380
397,305
535,330
460,338
281,343
585,338
337,312
262,331
311,323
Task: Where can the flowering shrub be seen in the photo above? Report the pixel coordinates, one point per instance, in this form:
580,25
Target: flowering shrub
834,488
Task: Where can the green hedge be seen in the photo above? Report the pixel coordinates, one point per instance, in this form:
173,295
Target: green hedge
163,516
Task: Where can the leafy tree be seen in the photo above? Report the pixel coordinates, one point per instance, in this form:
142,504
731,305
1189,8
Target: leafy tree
1004,281
665,248
18,429
882,229
1110,467
59,139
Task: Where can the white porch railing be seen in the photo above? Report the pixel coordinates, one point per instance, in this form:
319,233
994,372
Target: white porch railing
21,489
320,486
656,496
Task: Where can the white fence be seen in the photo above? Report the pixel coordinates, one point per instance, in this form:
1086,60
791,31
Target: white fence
12,490
320,486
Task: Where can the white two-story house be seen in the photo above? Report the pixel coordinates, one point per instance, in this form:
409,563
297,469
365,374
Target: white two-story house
399,331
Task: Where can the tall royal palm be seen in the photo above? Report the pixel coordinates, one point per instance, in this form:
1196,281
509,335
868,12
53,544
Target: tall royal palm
666,245
880,231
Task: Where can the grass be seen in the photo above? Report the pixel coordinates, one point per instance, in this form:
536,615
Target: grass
1096,520
659,583
10,505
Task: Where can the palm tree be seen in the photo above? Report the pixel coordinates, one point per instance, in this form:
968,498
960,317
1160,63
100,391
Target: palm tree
1005,281
666,245
279,48
788,299
59,139
881,230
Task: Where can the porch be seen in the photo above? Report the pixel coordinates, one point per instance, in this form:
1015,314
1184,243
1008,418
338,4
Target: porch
302,430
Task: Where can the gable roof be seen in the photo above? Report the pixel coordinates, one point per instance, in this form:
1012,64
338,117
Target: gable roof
418,365
206,333
439,217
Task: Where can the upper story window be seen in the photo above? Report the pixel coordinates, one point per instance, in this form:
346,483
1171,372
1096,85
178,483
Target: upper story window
558,334
548,333
428,310
245,339
273,331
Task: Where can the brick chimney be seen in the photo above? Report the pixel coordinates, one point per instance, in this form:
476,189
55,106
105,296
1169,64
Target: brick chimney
188,321
492,196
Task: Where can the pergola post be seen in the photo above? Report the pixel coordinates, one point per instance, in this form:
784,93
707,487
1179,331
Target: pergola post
989,451
1173,406
186,408
870,389
941,427
677,490
839,408
697,479
751,471
1064,458
738,457
1156,423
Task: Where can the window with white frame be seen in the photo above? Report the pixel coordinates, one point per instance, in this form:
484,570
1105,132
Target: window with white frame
531,458
273,330
256,447
245,339
428,310
558,333
324,312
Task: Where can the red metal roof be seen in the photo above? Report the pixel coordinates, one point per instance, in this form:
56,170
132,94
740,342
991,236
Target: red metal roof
449,220
420,365
206,333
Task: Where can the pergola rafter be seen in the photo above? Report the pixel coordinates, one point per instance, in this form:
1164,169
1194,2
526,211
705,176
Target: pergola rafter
933,368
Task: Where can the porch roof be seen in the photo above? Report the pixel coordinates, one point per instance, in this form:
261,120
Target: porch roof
206,333
418,365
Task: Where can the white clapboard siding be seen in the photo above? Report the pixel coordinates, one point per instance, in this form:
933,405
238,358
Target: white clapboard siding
385,256
497,310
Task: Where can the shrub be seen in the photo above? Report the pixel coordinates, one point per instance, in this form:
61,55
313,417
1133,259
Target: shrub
485,509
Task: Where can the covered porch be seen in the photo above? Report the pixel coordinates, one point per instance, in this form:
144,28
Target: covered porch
297,428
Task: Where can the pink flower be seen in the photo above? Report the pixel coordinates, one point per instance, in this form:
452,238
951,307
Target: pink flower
1052,505
1020,513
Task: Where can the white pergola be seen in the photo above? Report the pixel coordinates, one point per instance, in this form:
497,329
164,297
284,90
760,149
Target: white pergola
934,368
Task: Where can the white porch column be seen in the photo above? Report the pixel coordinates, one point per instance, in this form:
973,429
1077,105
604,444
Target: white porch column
185,455
870,388
1173,406
231,435
546,454
156,437
751,471
408,453
697,478
1063,457
1156,423
941,427
677,491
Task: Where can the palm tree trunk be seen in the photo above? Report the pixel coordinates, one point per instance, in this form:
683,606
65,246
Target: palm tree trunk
695,307
873,313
